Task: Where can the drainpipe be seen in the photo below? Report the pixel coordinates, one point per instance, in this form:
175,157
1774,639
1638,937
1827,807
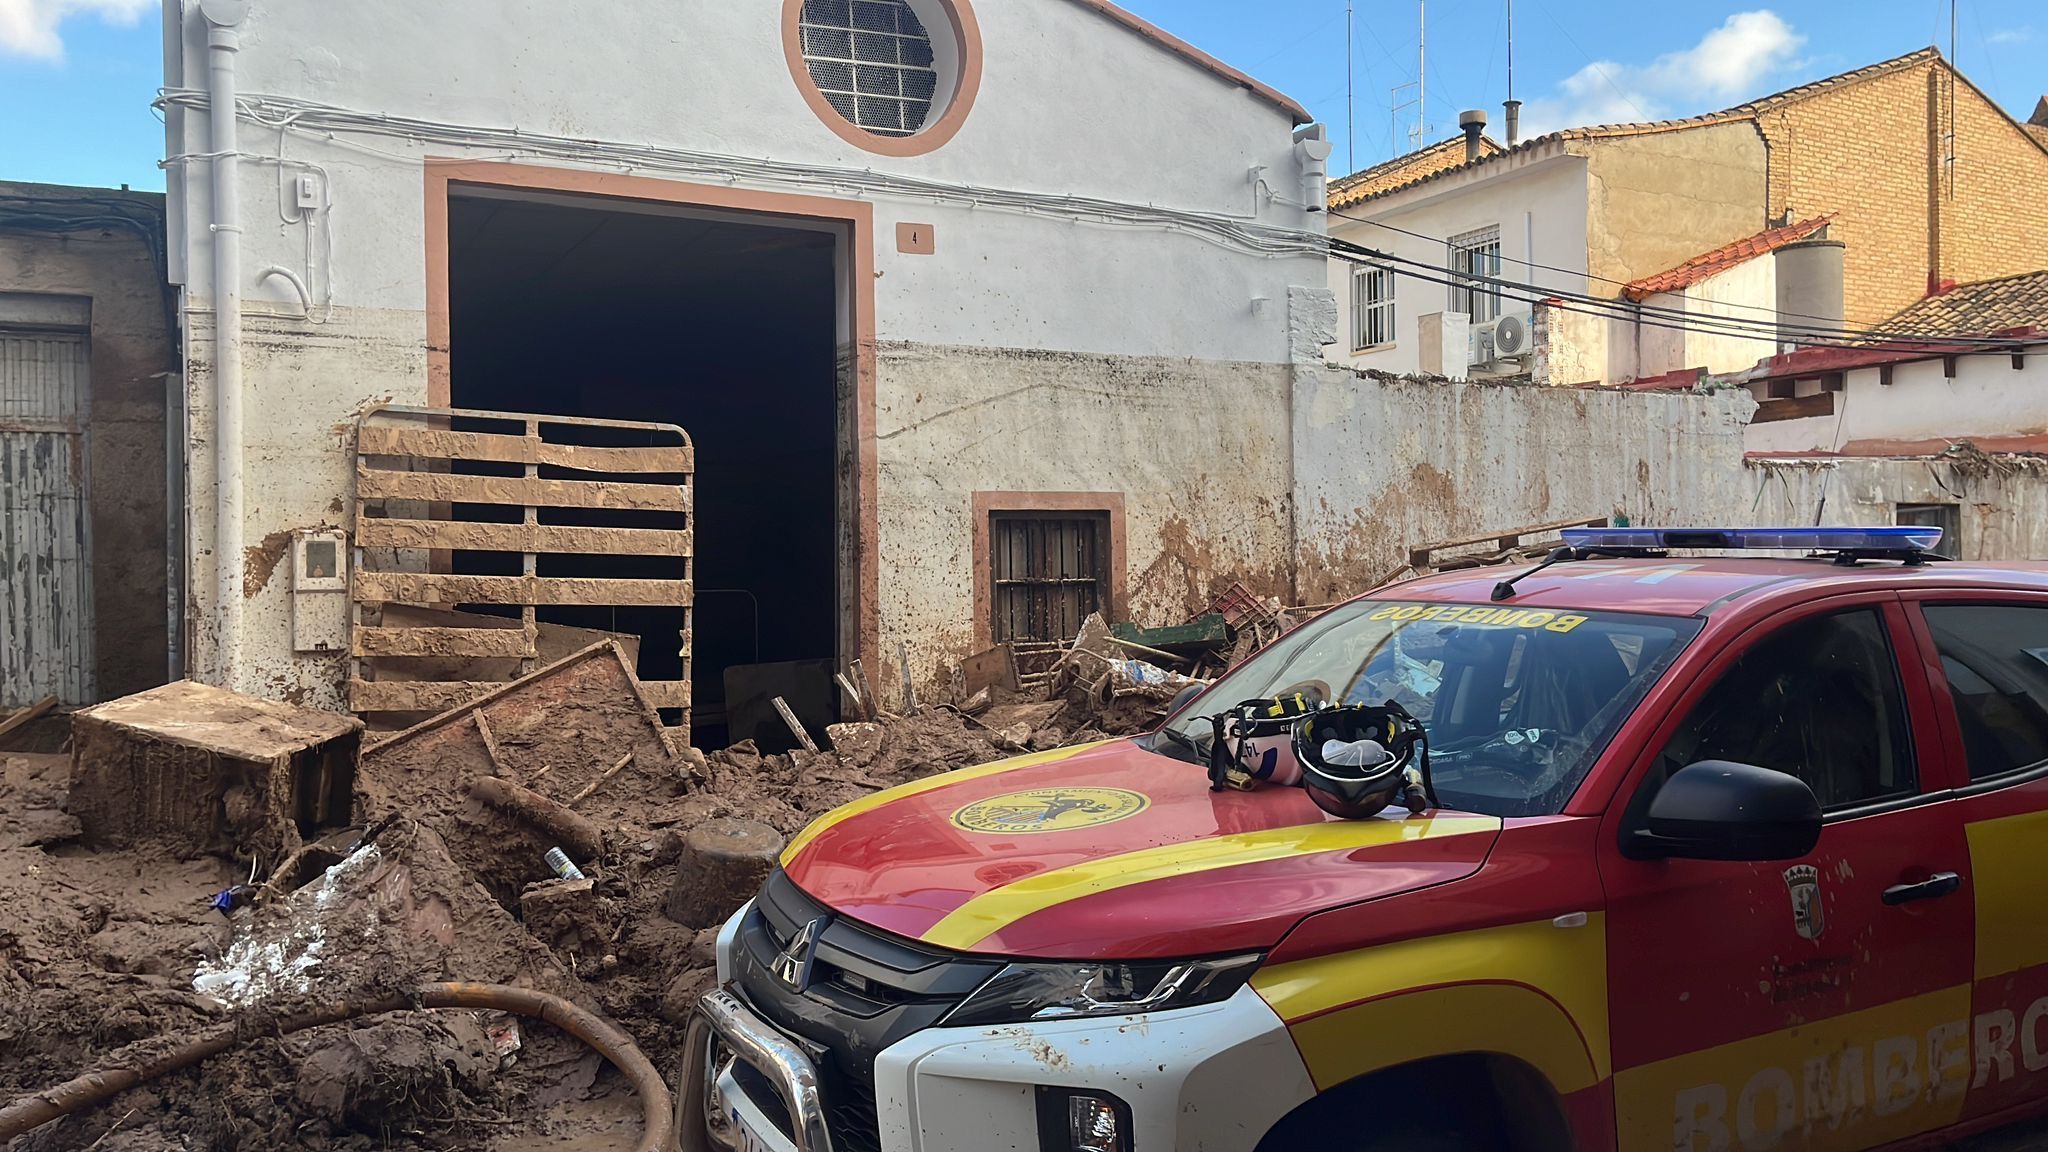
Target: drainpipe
222,42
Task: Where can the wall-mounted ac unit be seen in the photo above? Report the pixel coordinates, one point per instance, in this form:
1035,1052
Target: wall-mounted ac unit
1501,339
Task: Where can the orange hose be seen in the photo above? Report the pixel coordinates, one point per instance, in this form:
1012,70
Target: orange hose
96,1088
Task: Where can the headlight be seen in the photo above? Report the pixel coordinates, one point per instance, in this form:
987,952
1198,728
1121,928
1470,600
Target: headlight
1023,992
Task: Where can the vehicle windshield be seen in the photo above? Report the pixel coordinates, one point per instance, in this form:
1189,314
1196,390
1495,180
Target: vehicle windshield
1517,703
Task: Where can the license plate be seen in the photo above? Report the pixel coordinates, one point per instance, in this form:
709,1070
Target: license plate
750,1141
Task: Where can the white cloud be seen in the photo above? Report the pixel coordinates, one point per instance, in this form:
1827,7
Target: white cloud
29,27
1728,65
2011,36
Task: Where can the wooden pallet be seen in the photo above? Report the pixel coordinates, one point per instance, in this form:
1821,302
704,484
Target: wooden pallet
441,492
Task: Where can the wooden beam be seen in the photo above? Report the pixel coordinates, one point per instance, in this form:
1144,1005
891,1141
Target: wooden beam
543,591
460,536
796,726
486,643
1798,408
22,718
518,491
671,459
415,695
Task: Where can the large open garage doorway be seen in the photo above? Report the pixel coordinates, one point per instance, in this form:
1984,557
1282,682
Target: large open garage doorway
726,323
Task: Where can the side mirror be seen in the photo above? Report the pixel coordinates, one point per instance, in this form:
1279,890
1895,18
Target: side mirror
1721,810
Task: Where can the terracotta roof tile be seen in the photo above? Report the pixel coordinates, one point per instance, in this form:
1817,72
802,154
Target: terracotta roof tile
1369,182
1984,308
1723,258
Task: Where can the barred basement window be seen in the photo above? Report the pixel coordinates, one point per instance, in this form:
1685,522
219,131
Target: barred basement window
872,61
1050,572
1372,307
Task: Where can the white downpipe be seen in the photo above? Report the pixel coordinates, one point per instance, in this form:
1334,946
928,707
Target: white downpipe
222,42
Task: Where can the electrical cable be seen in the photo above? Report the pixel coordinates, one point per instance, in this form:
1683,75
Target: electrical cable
325,121
1677,319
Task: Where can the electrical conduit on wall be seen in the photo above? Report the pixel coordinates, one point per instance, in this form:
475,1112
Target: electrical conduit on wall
223,17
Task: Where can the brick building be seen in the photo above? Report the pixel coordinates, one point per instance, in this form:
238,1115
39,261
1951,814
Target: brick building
1923,180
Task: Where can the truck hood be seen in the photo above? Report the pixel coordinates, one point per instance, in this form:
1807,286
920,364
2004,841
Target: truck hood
1112,852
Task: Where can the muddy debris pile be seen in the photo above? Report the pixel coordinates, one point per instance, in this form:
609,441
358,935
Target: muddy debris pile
203,864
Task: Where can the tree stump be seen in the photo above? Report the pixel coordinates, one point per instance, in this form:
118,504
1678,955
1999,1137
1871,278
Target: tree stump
722,865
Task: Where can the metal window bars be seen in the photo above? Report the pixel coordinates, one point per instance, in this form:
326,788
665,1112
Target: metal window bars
872,61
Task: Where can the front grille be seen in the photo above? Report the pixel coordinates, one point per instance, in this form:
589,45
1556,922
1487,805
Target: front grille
869,989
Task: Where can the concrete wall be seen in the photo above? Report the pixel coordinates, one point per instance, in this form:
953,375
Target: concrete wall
1383,464
117,267
1539,203
1988,398
2002,500
1747,292
1070,104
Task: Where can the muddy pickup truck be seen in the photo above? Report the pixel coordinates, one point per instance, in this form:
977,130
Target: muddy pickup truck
1712,851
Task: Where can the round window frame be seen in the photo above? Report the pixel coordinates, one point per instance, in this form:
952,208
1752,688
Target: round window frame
934,135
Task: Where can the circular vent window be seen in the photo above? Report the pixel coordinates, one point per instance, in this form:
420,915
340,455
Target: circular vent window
893,76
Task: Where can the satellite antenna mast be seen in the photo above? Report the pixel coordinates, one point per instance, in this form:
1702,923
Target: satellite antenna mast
1350,87
1422,71
1513,106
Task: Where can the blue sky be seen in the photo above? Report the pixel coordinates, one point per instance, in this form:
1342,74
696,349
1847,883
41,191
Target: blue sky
77,76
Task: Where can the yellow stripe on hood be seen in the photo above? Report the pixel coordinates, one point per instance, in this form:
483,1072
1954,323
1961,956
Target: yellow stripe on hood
840,815
992,911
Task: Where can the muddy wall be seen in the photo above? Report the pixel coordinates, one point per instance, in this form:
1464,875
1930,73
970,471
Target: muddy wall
105,246
2001,501
1386,463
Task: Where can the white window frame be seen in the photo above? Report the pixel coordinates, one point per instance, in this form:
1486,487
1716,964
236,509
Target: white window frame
1373,312
1469,254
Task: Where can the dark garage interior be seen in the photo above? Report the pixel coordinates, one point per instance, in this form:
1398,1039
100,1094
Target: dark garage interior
722,325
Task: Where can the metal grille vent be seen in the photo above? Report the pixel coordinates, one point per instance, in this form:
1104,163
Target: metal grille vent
872,61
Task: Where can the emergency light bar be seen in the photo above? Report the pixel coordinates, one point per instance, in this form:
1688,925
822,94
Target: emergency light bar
1904,540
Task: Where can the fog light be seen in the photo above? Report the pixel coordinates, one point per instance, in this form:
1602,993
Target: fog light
1079,1121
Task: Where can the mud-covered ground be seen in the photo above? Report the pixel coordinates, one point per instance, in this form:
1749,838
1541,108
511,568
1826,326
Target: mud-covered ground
100,948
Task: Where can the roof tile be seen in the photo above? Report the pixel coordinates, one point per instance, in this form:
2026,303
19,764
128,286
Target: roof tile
1983,308
1723,258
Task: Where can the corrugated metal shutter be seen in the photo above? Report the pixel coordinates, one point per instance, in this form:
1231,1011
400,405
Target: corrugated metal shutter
45,579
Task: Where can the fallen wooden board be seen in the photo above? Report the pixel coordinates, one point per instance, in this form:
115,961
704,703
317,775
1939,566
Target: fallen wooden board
26,715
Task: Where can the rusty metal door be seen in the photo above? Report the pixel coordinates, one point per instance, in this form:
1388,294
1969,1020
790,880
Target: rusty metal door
45,578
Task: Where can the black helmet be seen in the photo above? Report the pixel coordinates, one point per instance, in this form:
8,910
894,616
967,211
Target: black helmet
1355,791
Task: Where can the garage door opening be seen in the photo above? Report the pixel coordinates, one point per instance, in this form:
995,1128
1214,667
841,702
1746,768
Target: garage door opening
727,324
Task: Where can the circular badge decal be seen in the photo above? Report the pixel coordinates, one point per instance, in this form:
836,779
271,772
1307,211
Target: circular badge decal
1050,810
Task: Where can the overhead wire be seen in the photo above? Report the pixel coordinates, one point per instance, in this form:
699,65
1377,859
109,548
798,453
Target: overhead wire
1633,313
1704,323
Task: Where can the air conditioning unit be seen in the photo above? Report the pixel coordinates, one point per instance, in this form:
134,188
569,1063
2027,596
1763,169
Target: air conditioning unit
1504,338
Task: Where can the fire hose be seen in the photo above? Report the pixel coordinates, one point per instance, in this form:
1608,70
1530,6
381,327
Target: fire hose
96,1088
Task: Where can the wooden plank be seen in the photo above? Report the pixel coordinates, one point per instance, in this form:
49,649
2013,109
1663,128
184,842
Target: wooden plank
416,695
459,536
489,643
518,491
666,693
440,588
1798,408
796,726
443,445
21,719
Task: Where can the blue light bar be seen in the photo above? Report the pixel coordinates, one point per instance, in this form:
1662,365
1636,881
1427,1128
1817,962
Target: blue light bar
1904,539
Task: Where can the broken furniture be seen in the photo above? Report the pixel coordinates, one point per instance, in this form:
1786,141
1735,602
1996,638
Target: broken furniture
208,770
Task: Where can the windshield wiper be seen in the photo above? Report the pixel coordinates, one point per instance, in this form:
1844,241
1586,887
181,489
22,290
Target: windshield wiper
1194,749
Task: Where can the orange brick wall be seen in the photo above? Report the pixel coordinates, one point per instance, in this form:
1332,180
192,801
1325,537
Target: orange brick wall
1871,151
